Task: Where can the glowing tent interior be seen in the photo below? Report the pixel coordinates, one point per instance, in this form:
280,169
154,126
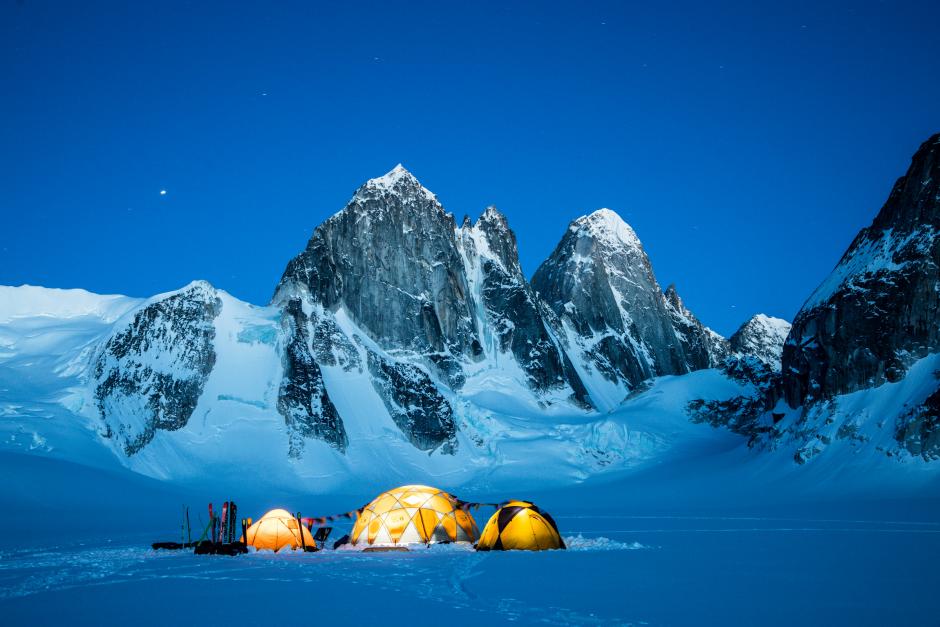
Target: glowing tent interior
413,514
279,529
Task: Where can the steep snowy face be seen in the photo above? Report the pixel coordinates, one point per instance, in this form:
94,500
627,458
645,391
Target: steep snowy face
390,260
878,311
511,319
761,337
150,373
600,283
702,347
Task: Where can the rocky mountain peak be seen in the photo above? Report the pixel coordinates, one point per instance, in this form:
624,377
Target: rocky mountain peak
499,240
390,260
672,297
914,198
599,281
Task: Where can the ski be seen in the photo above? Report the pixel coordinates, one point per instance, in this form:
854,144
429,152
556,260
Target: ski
232,517
223,522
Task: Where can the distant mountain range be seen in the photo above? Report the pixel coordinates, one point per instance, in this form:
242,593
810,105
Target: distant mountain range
399,338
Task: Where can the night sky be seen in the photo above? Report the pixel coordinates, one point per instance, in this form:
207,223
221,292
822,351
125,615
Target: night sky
746,144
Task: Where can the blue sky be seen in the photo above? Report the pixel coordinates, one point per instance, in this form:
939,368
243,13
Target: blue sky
746,144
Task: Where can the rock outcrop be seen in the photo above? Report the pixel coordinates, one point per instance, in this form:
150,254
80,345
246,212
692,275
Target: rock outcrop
302,398
149,375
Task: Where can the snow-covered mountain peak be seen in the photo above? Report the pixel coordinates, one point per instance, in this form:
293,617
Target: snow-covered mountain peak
763,337
399,181
769,322
605,226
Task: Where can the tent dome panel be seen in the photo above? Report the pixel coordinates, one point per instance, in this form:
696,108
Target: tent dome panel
413,514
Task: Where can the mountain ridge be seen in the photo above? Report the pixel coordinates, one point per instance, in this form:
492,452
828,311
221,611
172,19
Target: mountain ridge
397,334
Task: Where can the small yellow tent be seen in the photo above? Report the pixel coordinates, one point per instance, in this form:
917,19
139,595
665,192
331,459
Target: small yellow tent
413,514
278,529
520,525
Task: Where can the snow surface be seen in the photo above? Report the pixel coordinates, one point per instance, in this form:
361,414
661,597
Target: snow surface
657,549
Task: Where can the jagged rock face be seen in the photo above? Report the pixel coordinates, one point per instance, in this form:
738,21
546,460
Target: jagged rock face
414,403
702,347
599,281
511,317
150,374
390,259
918,430
878,311
302,397
762,337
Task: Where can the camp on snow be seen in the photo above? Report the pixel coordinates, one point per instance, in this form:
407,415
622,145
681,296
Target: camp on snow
407,516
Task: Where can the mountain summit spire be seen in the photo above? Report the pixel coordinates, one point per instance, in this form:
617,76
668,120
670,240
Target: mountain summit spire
397,180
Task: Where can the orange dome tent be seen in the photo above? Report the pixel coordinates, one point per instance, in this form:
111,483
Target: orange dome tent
413,514
279,529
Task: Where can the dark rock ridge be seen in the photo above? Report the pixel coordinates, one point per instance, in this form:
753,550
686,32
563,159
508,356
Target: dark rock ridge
702,347
600,283
877,312
302,397
150,373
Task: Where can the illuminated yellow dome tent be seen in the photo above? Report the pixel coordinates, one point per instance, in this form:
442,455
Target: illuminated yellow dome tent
278,529
520,525
413,514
